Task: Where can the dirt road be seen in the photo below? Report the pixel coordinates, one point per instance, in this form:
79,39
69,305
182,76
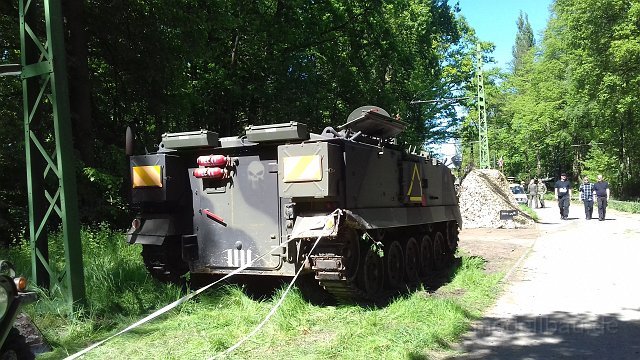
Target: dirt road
575,293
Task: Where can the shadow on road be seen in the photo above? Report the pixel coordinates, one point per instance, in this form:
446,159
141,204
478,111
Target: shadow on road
552,336
572,219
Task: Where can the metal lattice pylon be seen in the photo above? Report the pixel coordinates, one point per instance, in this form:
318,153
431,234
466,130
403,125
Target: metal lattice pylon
482,115
49,158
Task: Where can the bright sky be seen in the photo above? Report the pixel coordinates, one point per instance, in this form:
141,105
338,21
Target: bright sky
495,21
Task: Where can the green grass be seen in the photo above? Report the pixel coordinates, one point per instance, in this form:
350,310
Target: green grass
527,210
119,293
411,326
626,206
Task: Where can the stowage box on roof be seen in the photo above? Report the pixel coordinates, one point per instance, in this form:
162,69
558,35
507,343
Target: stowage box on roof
189,139
278,132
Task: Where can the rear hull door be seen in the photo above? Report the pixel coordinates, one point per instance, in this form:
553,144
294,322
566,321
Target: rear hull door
237,219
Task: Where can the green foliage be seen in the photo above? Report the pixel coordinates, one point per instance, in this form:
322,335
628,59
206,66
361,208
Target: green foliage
101,198
626,206
162,66
572,103
13,214
600,163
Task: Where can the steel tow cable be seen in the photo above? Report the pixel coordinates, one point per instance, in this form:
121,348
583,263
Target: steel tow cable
193,294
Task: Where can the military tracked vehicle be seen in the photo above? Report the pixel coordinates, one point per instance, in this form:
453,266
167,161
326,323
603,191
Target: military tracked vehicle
385,218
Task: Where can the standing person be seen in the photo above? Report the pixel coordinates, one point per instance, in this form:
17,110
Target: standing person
542,189
601,192
563,195
533,193
586,195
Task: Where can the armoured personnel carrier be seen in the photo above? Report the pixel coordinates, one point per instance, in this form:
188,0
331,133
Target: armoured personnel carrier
385,218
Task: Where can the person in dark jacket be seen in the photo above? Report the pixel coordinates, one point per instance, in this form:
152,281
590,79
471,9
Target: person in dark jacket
563,195
601,192
586,195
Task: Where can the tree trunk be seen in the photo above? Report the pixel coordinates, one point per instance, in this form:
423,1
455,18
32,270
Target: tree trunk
623,169
79,86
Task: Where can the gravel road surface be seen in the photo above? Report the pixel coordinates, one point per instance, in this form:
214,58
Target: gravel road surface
575,294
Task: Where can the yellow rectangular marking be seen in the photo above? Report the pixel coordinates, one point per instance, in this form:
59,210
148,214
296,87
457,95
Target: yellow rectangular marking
147,176
302,168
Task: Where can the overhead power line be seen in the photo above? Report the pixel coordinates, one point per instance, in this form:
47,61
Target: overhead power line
438,100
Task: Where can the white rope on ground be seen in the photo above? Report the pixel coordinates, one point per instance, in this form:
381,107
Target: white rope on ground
168,307
270,314
189,296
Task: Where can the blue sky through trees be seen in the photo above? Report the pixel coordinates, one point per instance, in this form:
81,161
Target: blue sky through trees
495,21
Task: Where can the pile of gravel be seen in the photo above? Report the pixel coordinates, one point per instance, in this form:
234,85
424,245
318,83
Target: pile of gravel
483,193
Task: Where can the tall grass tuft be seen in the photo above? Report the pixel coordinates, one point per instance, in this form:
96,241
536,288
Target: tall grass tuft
527,210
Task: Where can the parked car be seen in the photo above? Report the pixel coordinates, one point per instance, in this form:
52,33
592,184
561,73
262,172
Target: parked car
518,192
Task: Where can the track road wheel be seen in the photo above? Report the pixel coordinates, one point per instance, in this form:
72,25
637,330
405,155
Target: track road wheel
453,238
394,261
351,250
441,253
426,256
372,274
412,260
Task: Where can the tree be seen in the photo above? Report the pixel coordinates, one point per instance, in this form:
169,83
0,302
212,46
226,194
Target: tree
577,89
13,187
524,41
168,66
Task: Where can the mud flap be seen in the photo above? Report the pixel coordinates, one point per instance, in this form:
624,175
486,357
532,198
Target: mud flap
325,226
152,230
